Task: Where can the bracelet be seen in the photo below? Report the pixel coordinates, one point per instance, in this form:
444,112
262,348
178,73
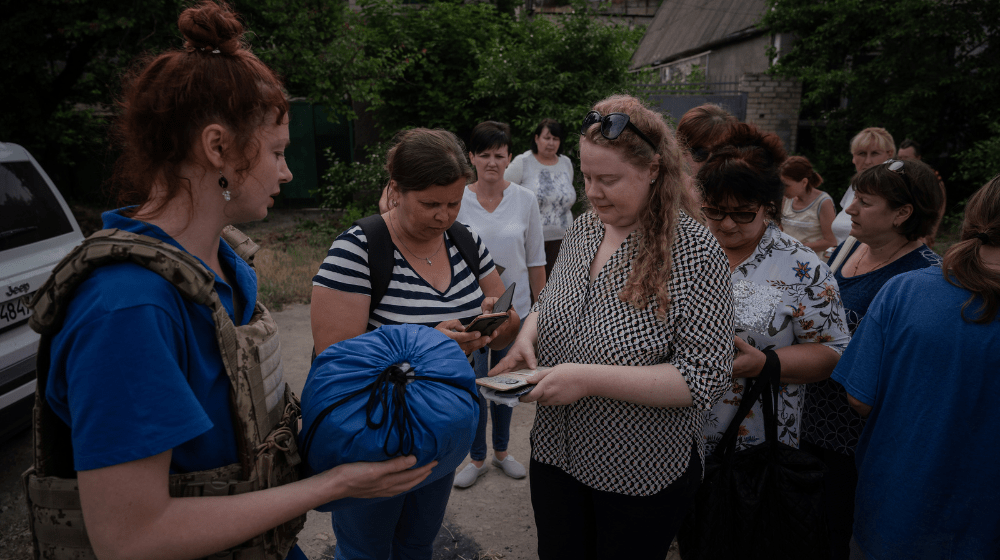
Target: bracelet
771,372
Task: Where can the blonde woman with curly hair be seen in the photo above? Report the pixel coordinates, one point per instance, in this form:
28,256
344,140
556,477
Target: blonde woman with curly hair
636,324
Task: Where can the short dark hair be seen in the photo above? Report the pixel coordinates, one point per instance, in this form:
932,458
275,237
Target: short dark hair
555,129
423,157
744,166
919,189
488,135
911,144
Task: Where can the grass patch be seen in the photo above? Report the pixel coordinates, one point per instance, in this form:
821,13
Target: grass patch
289,257
284,274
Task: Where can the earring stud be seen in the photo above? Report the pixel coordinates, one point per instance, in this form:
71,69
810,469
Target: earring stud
224,183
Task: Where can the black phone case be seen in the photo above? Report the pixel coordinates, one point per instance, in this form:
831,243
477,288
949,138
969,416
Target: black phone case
487,326
504,301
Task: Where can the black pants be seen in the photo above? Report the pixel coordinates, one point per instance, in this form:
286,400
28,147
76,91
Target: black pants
839,484
577,522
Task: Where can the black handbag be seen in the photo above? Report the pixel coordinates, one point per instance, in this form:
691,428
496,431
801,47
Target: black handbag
764,502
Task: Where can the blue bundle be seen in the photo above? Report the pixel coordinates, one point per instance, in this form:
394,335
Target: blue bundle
398,390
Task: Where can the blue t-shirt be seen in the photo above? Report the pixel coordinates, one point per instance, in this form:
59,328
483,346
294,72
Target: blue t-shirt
927,458
136,369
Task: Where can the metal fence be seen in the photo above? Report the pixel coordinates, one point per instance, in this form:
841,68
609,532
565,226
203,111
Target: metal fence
675,99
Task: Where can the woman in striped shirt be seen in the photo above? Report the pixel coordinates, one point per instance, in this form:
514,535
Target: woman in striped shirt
432,285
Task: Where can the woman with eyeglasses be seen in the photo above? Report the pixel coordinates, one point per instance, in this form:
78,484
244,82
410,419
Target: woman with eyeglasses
790,322
895,204
636,324
869,147
546,172
698,130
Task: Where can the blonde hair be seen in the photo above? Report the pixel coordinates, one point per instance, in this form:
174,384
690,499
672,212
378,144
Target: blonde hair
651,268
874,135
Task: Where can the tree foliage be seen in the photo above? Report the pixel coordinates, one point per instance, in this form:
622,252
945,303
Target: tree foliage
466,63
443,64
923,69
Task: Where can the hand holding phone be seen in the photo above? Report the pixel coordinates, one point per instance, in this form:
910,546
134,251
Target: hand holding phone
489,322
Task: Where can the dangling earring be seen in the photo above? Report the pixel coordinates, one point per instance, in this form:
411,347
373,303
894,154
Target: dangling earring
224,183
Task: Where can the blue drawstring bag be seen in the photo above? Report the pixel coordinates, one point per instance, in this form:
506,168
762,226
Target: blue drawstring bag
397,390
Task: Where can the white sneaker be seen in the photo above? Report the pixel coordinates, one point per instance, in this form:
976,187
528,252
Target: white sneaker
509,466
469,475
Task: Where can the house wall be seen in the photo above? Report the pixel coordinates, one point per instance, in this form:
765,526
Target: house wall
773,105
728,63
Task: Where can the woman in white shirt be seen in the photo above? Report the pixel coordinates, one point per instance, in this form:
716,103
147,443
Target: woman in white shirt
506,217
549,174
869,147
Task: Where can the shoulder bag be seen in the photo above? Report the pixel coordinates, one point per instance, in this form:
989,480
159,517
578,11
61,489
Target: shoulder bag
765,502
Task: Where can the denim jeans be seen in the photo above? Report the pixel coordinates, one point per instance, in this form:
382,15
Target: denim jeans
401,528
501,413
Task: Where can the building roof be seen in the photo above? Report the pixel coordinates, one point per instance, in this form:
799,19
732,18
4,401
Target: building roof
683,28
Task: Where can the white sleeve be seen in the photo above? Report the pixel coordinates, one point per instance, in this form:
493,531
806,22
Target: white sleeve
515,171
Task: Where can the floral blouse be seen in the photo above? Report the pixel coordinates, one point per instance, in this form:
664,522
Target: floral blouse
784,294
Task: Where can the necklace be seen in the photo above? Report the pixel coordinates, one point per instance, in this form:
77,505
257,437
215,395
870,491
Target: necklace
732,267
881,264
481,198
428,259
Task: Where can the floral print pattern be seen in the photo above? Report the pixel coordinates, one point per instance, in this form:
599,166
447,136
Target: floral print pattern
784,295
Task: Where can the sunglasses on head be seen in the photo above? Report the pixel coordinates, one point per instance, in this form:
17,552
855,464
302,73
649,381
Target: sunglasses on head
612,126
741,217
897,166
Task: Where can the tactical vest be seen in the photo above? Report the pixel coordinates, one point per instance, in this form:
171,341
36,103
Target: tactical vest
265,412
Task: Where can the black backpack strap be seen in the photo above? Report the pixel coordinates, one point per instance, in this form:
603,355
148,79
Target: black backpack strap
466,245
380,256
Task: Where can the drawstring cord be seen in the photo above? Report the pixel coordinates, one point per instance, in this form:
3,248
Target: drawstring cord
389,388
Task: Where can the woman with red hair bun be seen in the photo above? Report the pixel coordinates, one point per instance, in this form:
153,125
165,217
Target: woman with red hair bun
174,455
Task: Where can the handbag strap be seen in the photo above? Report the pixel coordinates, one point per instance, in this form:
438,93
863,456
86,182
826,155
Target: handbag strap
845,249
751,393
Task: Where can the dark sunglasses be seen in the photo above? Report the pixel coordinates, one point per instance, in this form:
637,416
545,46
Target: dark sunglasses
741,217
699,154
612,126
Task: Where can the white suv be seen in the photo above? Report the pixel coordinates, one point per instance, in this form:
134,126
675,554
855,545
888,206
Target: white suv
37,229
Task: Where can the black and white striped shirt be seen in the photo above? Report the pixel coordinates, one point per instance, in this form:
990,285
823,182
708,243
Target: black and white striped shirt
409,298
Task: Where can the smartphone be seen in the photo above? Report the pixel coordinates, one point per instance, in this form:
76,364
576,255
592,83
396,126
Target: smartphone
518,392
502,304
486,324
489,322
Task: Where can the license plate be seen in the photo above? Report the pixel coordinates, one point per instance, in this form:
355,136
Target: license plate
14,311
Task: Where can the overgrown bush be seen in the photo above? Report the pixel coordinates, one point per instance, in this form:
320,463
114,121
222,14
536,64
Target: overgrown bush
355,187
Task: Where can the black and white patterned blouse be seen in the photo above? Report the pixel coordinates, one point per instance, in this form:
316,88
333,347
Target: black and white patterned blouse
617,446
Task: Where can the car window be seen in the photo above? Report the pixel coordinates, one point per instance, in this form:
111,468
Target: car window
29,211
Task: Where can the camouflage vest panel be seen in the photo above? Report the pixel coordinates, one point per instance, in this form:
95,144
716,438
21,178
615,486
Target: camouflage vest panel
265,411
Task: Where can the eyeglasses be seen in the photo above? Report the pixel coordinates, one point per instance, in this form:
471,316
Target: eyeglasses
613,125
741,217
699,154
